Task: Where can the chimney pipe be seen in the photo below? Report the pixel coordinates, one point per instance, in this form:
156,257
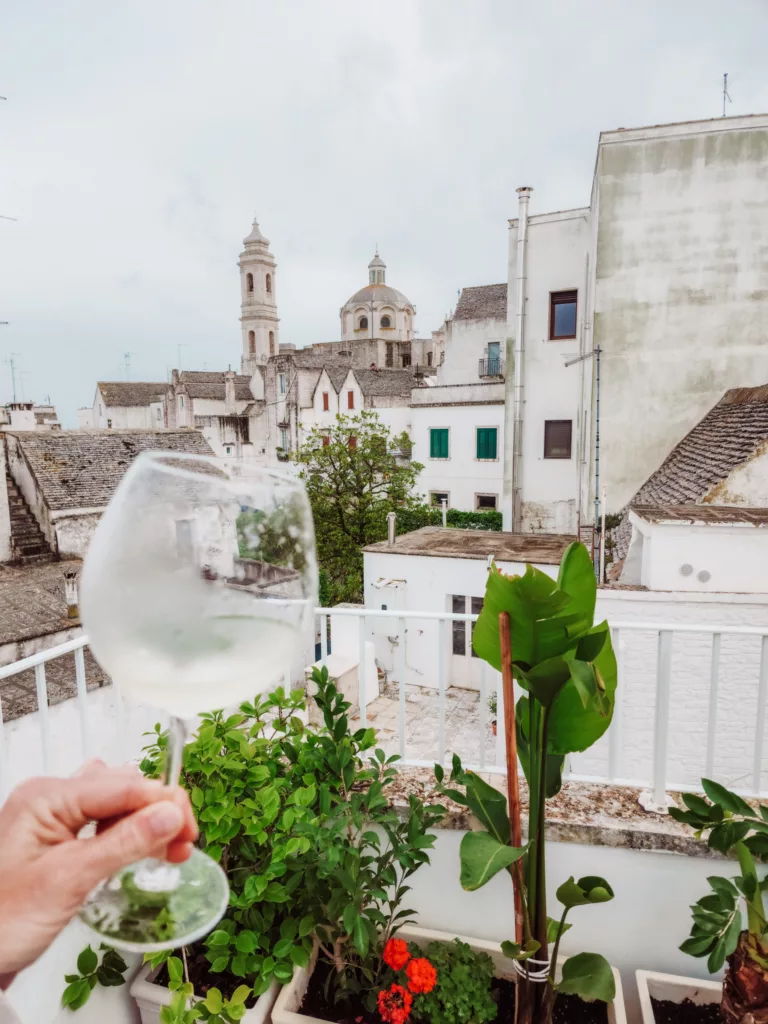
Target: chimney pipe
444,503
524,194
70,594
230,404
391,524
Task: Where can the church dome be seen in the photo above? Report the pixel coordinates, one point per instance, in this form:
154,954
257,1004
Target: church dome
256,237
379,293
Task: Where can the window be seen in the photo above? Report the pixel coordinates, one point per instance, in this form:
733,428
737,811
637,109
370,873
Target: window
181,401
271,343
557,439
252,342
459,629
362,323
269,284
109,424
281,383
285,441
562,315
389,359
326,401
494,358
484,502
158,414
406,359
352,441
326,440
249,282
437,498
438,443
477,607
429,358
350,399
228,450
486,442
386,321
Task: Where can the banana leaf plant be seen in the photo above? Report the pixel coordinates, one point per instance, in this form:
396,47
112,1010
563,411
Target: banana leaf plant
566,667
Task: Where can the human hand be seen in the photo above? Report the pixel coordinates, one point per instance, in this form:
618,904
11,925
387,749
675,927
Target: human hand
46,871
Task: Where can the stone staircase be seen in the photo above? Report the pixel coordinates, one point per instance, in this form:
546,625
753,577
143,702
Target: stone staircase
28,543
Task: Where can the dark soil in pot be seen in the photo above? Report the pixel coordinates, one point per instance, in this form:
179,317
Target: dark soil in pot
568,1009
667,1012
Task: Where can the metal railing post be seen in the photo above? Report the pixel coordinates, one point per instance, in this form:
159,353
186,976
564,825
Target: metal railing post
441,673
362,691
42,710
661,732
762,691
82,701
714,679
401,684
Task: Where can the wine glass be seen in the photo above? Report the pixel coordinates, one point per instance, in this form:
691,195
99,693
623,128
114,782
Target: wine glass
197,593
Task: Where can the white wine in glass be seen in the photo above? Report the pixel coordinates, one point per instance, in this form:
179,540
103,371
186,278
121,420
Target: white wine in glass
197,593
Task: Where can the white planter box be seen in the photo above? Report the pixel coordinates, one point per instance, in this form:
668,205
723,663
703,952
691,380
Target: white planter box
286,1009
675,988
150,998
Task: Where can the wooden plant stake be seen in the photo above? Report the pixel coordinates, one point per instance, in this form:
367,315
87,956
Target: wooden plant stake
513,788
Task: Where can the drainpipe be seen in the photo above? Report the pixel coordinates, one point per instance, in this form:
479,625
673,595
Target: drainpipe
391,523
524,195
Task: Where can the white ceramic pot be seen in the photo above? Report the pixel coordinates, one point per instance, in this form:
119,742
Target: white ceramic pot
675,988
150,998
286,1009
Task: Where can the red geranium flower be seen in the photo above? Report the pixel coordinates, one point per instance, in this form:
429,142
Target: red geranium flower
422,976
396,954
395,1002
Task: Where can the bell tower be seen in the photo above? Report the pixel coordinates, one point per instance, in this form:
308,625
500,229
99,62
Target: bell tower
258,301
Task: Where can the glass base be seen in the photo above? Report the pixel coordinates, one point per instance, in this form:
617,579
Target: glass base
152,905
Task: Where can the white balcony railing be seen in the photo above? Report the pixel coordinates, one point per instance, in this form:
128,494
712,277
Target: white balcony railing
691,702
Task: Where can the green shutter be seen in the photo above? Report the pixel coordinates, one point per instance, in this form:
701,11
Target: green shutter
438,443
486,442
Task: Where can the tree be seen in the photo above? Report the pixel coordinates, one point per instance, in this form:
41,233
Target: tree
355,472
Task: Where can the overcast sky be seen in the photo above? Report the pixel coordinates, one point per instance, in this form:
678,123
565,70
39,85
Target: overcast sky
140,136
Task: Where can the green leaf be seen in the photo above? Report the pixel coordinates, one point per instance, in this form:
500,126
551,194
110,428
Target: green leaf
573,727
553,927
590,889
197,797
213,1001
246,942
87,961
489,806
514,951
360,936
589,976
300,956
219,964
306,925
697,945
282,948
175,971
726,799
717,956
545,680
283,972
218,938
76,994
482,857
240,994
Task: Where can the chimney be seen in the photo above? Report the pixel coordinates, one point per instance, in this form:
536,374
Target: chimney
229,393
391,525
174,376
70,594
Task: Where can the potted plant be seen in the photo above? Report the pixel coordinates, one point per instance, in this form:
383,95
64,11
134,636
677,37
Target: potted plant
493,705
541,633
353,878
737,829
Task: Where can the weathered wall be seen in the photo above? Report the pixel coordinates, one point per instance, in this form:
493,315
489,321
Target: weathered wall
74,532
5,514
29,488
681,283
746,485
466,343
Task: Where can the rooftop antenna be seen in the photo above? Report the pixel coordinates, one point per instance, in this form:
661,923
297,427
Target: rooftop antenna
726,96
179,347
127,362
12,362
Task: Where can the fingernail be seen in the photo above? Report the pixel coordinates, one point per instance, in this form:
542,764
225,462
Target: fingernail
165,820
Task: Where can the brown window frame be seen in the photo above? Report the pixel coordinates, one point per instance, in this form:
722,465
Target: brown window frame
548,441
558,299
352,442
350,399
326,401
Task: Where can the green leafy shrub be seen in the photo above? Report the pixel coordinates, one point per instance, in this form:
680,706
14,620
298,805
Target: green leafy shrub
91,971
462,994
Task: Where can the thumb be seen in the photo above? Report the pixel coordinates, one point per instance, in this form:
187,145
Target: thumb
146,833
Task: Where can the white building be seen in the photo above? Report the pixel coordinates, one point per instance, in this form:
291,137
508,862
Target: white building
28,416
665,272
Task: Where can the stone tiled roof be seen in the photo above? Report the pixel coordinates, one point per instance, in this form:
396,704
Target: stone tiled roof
484,302
337,374
439,542
729,434
688,514
386,382
122,393
82,468
202,384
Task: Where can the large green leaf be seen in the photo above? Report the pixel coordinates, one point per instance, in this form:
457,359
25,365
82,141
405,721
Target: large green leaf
589,976
482,857
545,680
555,762
489,806
590,889
538,625
573,727
577,578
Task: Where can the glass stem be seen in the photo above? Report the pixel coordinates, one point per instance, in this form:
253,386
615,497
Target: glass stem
174,752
